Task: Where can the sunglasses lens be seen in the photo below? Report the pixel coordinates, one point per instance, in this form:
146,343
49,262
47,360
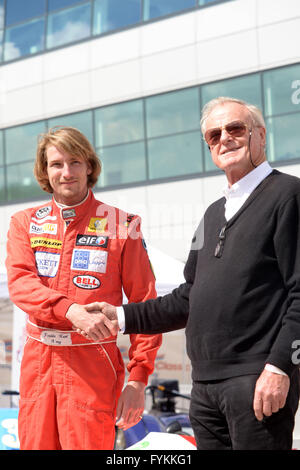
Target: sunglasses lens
212,137
236,129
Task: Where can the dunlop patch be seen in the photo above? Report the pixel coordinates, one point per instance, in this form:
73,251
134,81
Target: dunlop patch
45,242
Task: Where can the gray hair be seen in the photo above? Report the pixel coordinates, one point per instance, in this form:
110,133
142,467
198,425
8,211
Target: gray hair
254,111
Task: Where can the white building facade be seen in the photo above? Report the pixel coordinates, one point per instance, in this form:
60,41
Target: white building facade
133,75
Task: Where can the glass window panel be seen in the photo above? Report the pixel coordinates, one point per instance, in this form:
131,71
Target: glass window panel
22,10
208,162
123,164
205,2
82,121
245,88
69,25
58,4
1,45
21,183
24,39
115,14
281,90
175,156
21,142
2,13
283,141
172,112
2,185
1,149
119,123
156,8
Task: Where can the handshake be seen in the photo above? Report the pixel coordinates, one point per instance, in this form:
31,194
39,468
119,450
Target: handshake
95,321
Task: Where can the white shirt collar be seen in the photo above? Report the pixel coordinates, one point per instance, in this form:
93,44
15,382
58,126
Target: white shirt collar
248,183
239,192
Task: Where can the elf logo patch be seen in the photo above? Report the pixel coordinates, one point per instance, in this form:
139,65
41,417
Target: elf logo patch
92,240
86,282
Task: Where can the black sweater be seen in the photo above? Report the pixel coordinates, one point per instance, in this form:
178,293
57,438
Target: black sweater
241,308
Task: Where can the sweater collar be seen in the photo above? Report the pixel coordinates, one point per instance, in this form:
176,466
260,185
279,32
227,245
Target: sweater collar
247,184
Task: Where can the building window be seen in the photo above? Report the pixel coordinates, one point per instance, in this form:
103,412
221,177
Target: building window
157,8
120,123
69,25
18,11
2,14
119,139
283,137
203,3
281,90
282,109
177,155
122,164
21,144
2,186
33,26
172,149
21,183
82,121
59,4
115,14
24,39
173,112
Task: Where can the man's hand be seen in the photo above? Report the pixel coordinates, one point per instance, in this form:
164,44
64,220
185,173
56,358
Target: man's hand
90,322
109,311
270,393
131,405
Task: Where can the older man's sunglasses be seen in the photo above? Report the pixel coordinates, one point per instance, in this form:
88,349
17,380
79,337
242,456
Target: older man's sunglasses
234,129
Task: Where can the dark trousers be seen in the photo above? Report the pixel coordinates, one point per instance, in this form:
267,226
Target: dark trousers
222,416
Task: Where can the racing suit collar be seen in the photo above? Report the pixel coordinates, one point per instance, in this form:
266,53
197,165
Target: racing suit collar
69,213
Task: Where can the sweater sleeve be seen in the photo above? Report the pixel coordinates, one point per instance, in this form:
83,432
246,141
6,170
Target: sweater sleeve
165,313
287,248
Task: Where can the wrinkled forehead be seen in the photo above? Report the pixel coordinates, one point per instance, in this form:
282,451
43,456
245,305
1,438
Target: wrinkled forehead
227,112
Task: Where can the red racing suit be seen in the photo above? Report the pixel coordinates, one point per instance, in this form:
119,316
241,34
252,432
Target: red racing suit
69,385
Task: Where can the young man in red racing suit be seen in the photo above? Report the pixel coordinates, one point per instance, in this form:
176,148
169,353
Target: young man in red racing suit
61,257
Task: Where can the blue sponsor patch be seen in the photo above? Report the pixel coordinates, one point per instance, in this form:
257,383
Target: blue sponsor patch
89,260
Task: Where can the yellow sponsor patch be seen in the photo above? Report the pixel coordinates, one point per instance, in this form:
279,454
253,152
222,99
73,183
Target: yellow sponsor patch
46,242
97,224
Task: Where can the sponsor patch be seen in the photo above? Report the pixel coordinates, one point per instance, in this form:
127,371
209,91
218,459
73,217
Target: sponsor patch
47,263
45,228
129,219
89,260
92,240
86,282
42,241
97,224
42,212
67,213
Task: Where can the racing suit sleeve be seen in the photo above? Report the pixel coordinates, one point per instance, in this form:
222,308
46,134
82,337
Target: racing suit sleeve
138,282
26,289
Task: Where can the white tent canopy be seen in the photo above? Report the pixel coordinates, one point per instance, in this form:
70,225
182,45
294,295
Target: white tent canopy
168,271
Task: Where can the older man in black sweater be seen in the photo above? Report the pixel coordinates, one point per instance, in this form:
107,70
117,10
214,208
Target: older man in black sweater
240,303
